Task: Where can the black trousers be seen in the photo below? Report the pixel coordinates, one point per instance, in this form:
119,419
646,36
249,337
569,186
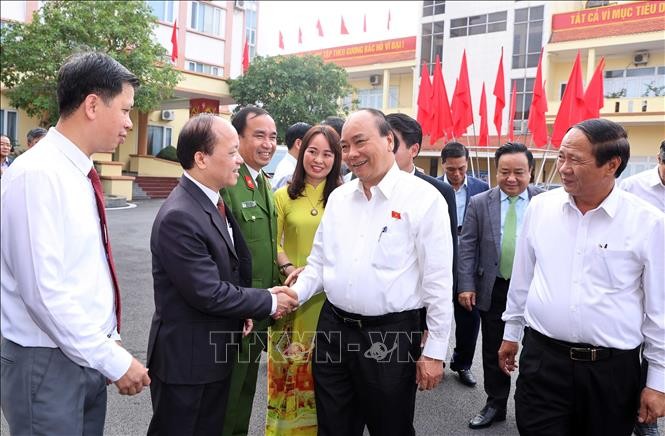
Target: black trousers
497,384
467,325
365,375
558,396
182,410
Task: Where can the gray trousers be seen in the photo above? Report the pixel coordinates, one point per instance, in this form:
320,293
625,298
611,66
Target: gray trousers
45,393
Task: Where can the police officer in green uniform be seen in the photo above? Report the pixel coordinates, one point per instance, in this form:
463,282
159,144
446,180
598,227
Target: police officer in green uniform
252,205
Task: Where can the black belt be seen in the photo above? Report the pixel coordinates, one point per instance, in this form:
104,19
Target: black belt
361,321
579,352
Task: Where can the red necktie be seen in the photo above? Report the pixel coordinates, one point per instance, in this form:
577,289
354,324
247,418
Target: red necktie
99,199
221,209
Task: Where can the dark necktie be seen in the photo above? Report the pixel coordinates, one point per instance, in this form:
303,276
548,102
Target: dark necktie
222,209
99,199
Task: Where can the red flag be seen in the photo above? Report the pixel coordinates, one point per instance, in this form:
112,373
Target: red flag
365,23
343,30
441,124
319,27
573,107
483,139
174,42
537,123
593,97
281,40
299,35
511,113
245,58
500,94
388,19
461,106
425,100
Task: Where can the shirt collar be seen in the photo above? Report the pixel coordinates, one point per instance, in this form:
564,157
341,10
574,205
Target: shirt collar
524,195
386,185
252,172
610,204
71,151
654,178
212,195
464,183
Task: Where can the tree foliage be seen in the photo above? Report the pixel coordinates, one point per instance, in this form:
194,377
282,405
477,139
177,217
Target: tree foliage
293,89
32,53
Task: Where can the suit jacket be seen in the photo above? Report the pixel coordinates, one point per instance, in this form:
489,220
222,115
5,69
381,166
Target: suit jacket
449,195
480,245
258,222
474,186
199,279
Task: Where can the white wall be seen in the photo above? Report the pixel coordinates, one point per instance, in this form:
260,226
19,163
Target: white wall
13,11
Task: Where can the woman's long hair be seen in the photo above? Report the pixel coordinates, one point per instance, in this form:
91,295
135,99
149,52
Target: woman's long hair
333,179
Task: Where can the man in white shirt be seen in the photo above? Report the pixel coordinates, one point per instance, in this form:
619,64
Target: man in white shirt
287,165
379,261
60,300
649,185
588,282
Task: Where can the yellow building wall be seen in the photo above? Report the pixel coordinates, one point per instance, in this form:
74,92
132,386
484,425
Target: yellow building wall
23,122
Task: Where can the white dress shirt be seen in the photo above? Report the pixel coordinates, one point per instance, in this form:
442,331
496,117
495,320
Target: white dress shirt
596,278
388,254
56,285
648,186
284,171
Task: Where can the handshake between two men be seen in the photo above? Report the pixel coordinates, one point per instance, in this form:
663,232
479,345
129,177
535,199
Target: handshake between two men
287,300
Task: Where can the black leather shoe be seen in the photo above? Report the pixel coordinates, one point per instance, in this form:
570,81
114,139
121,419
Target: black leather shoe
487,416
466,377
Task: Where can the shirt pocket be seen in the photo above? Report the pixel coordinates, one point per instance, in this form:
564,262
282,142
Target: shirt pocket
394,248
253,220
615,269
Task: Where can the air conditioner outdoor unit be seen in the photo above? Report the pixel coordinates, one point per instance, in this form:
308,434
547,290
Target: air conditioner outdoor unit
375,79
168,115
240,4
641,57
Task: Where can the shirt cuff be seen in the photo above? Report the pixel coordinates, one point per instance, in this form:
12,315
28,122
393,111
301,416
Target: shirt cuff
116,363
435,349
273,307
656,379
513,331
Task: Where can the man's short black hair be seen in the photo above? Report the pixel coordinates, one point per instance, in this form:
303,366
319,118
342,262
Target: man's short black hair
511,148
335,122
662,152
240,119
608,139
409,128
196,135
36,133
296,131
454,150
88,73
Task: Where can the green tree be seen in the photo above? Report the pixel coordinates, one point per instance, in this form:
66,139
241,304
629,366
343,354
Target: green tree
31,53
293,89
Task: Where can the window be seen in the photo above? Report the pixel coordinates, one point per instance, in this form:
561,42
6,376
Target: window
523,96
163,10
199,67
635,82
528,37
596,3
373,98
8,121
250,29
207,18
433,8
432,43
159,137
478,24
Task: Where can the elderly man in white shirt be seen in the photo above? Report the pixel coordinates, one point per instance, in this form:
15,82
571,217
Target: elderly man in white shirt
379,260
588,282
60,300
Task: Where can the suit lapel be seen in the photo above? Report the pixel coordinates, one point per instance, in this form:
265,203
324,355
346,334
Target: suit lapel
494,205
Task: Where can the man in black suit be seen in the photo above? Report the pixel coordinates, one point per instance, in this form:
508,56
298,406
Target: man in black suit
454,161
487,245
201,269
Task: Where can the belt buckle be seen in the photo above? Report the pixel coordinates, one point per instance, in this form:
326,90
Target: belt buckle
594,354
353,321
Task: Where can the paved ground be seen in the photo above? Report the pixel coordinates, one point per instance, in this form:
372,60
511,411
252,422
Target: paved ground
444,411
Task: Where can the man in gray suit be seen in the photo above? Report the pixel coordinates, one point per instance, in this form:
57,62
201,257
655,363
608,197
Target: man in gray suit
486,249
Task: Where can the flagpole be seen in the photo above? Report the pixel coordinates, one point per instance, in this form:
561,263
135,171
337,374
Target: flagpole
542,164
473,127
551,177
473,171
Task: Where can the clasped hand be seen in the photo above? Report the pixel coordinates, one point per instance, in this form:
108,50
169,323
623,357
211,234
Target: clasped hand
287,300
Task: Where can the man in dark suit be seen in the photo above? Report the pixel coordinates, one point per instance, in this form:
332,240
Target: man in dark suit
454,159
202,273
487,245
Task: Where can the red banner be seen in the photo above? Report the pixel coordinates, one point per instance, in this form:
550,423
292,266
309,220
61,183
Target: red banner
203,105
362,51
609,15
